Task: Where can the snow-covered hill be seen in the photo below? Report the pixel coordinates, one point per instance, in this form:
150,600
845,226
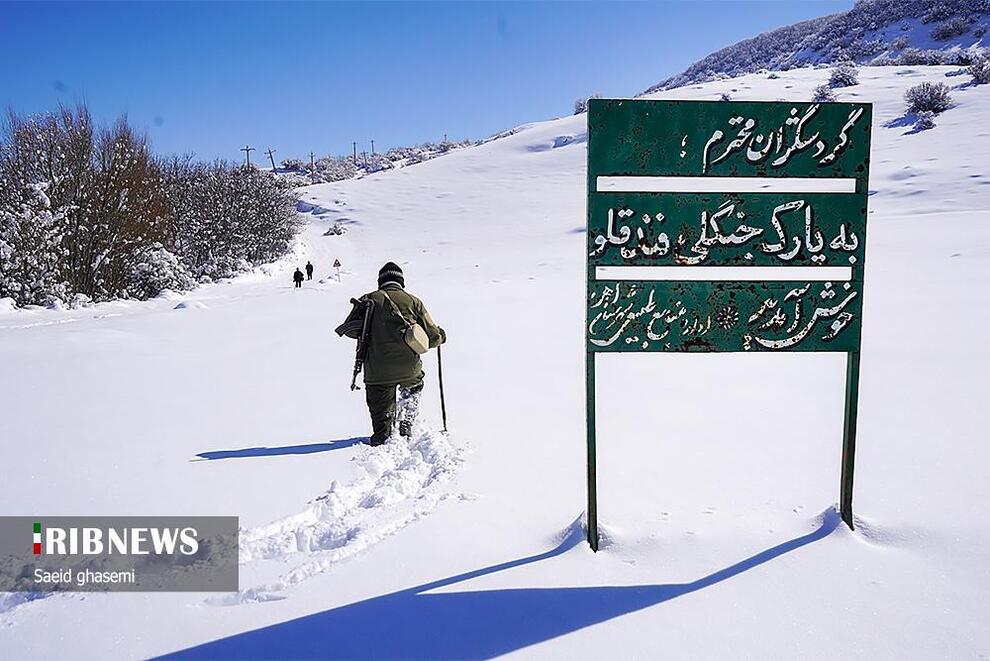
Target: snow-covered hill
717,474
873,31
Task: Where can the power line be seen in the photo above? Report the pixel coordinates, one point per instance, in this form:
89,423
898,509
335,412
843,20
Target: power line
247,149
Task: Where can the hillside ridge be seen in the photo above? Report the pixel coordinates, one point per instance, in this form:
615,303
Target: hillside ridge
876,32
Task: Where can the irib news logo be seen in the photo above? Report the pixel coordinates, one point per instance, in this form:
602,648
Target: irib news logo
109,541
119,554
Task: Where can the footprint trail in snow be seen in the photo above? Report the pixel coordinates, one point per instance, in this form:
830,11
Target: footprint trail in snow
398,483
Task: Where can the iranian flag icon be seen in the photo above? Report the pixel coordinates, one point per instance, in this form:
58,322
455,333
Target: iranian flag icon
37,538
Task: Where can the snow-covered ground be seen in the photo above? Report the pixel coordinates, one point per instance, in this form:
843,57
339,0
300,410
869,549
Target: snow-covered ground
717,473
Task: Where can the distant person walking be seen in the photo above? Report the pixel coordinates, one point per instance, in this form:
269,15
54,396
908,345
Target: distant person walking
297,277
309,270
391,364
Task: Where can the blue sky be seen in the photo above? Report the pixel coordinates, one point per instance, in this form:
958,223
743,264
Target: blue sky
206,78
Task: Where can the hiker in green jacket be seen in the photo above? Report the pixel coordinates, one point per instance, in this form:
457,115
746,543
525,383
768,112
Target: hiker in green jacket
390,363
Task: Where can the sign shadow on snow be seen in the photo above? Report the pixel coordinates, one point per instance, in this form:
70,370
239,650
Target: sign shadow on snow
283,450
416,624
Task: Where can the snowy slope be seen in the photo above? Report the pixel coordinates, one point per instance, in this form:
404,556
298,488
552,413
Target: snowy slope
873,31
717,474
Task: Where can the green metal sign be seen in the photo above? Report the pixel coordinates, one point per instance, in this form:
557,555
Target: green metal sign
723,316
765,229
772,195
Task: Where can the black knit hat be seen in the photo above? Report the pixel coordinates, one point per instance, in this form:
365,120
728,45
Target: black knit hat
391,273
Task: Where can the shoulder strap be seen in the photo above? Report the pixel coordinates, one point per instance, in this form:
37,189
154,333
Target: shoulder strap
395,309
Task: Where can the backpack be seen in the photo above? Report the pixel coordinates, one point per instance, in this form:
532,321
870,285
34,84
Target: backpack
413,335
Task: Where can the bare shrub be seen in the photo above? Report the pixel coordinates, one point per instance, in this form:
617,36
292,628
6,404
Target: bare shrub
931,97
823,94
980,70
925,120
844,75
939,11
952,28
915,57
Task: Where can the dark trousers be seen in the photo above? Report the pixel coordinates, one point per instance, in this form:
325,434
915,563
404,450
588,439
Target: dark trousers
382,407
298,283
309,275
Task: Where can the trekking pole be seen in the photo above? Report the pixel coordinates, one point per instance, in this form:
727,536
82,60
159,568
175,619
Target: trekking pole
443,405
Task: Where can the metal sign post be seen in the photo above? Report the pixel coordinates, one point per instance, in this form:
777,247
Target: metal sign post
705,191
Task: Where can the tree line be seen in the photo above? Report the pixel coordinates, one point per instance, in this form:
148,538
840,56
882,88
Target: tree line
337,168
89,213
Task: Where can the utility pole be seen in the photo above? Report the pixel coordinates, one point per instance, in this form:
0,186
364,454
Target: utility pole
247,149
271,157
354,146
445,137
372,147
312,161
364,154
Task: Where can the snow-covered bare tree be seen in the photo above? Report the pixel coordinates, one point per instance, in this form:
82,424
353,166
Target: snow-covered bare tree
154,269
31,248
104,180
227,219
89,213
581,104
